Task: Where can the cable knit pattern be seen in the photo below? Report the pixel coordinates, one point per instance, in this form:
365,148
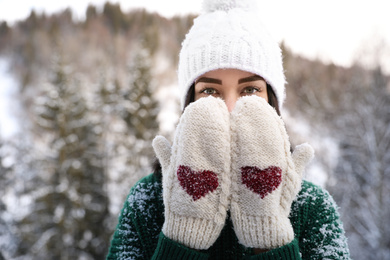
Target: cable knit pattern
261,144
317,228
230,35
195,180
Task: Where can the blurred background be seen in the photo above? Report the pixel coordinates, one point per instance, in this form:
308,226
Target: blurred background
86,85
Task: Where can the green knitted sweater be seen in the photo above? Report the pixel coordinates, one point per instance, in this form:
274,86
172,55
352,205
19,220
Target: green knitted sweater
319,233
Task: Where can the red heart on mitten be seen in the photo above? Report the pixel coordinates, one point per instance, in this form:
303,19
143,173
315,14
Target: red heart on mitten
197,184
262,182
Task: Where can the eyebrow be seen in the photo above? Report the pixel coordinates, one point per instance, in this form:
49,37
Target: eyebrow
209,80
218,81
249,79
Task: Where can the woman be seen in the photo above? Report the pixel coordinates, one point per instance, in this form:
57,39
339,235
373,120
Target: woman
229,187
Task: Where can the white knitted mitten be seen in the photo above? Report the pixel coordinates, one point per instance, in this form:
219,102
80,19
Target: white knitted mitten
196,185
265,176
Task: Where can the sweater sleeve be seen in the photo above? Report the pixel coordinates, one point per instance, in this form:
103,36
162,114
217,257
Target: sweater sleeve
138,233
140,222
169,249
286,252
321,233
125,243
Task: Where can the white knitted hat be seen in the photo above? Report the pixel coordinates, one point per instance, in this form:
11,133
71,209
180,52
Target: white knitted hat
229,34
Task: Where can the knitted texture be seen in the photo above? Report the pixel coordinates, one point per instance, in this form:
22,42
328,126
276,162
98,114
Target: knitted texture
264,178
230,35
196,186
226,5
318,231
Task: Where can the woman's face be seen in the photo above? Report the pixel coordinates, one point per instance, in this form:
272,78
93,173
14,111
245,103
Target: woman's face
230,85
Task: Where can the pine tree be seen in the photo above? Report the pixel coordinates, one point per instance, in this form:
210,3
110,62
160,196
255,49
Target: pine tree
18,184
8,241
133,125
142,111
364,168
71,210
109,103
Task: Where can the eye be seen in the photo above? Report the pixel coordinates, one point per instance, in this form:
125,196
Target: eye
209,91
251,90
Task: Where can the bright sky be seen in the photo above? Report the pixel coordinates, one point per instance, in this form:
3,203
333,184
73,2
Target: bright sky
333,30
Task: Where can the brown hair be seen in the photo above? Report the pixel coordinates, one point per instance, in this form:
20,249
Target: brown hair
272,100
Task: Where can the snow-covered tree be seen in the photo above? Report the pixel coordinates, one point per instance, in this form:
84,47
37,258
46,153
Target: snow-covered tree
142,107
362,178
68,214
109,104
141,111
8,241
18,183
130,123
